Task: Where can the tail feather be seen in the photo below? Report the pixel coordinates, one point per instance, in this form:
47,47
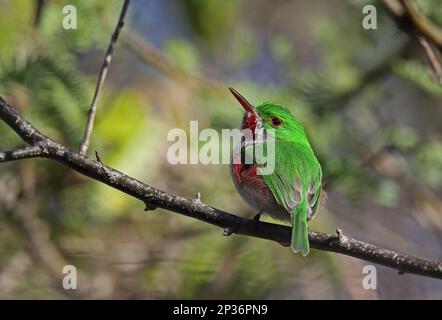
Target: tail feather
299,242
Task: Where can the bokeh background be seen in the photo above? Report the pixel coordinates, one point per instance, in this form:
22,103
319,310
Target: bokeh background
366,98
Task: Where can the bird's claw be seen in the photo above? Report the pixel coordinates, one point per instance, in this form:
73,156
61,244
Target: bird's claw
257,216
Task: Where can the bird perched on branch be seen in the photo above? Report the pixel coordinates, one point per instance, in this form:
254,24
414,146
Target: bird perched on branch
291,189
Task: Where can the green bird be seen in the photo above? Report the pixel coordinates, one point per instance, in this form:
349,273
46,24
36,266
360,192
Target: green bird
291,189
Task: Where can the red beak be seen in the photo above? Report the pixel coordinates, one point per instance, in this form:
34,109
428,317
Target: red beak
245,104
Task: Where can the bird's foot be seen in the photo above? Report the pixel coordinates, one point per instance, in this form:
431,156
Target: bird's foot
257,215
229,231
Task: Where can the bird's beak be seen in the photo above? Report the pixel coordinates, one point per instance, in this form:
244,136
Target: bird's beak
245,104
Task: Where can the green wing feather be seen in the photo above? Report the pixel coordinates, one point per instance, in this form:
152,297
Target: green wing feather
295,182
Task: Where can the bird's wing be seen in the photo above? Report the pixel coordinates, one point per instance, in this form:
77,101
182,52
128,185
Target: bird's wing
294,175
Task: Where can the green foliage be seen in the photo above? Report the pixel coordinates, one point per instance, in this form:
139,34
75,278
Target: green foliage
387,193
282,48
428,163
337,55
417,74
15,23
183,54
402,137
432,9
210,19
56,92
244,47
96,20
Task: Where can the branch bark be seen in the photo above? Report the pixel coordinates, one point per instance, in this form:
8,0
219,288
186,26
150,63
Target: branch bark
432,58
28,152
154,198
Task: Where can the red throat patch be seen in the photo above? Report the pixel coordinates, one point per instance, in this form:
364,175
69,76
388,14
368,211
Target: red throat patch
249,121
247,175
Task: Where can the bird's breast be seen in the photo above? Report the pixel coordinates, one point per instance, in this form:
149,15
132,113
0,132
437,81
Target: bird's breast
255,191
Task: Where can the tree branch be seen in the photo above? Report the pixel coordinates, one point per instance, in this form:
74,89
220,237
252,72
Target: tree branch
101,78
24,153
153,198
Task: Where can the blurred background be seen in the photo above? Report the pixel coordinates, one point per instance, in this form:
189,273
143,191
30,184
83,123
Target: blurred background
366,98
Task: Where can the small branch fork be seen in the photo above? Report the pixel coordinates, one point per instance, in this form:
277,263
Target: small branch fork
44,147
411,20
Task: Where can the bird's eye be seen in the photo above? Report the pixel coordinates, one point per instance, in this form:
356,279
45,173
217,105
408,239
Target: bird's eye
275,122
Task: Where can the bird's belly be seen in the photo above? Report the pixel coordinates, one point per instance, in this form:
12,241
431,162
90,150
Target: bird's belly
256,193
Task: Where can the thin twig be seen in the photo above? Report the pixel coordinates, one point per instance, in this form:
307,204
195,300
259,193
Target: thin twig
410,19
432,58
191,208
101,78
147,52
39,6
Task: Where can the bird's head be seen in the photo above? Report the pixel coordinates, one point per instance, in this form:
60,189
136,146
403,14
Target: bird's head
271,117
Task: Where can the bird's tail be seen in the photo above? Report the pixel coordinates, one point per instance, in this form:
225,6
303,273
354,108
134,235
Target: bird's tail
299,242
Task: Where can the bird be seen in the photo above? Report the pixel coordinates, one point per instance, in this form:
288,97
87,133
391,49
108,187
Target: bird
292,190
